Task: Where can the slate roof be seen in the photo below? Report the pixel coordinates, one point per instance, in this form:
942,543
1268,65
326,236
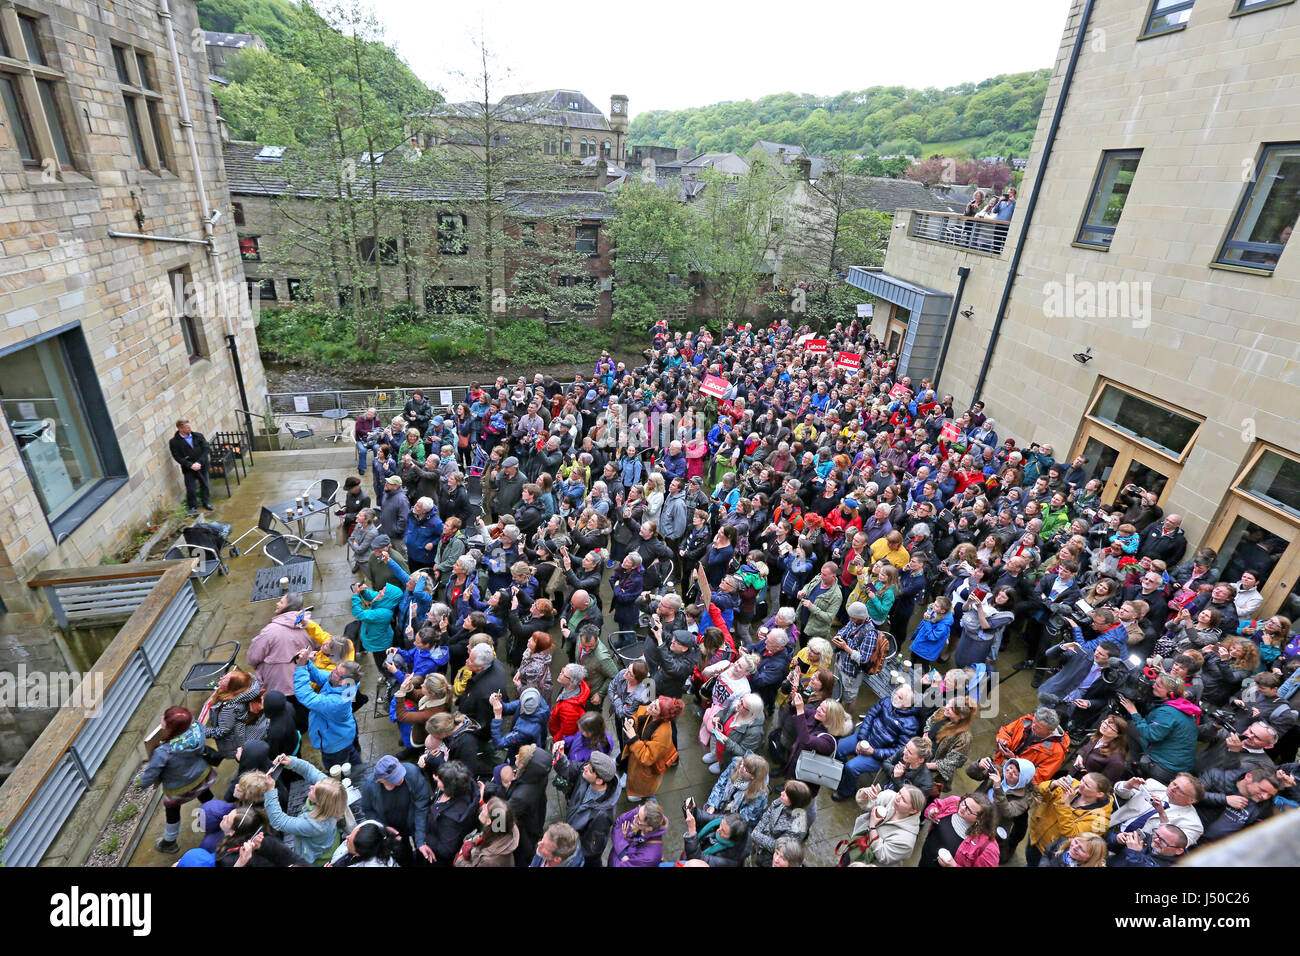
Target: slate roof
250,176
233,41
547,107
886,195
773,149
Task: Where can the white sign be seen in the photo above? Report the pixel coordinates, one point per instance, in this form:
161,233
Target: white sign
444,396
300,404
865,310
27,410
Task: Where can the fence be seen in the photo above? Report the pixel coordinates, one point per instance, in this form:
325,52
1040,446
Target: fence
48,783
388,401
988,236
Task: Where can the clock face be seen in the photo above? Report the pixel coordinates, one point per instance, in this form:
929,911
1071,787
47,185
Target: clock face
618,107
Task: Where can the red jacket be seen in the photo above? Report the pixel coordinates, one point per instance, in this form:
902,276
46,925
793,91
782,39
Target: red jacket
566,713
973,851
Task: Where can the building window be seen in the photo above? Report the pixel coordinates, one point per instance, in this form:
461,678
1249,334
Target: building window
1250,6
586,239
239,213
607,148
53,404
142,101
186,309
1166,15
1168,431
452,228
265,289
248,249
1267,212
297,292
528,231
1109,193
567,145
452,299
369,296
387,248
29,88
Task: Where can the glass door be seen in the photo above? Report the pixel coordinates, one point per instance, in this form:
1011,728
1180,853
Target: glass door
1251,537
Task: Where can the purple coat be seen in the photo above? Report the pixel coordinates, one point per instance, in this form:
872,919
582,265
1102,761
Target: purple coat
628,848
577,749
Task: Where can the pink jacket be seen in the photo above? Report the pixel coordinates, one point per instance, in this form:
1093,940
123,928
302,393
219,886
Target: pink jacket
973,851
271,653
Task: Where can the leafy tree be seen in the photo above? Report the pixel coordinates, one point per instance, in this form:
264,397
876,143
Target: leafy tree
652,240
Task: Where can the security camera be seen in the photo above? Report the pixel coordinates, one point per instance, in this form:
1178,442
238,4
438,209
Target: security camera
1084,357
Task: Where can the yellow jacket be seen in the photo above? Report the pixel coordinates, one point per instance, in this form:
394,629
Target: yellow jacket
898,557
319,637
1053,818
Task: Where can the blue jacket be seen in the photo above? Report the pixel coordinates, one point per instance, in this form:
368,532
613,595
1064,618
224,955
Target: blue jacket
527,728
888,729
330,723
630,471
421,662
930,637
1168,734
675,467
422,531
377,620
423,599
796,573
772,668
468,602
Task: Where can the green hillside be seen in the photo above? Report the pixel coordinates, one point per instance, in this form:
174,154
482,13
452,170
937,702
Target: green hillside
994,116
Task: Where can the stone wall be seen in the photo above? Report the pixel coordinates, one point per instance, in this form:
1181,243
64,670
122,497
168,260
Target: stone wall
60,267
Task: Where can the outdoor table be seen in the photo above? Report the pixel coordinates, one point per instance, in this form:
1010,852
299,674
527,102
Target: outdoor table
266,583
336,415
310,507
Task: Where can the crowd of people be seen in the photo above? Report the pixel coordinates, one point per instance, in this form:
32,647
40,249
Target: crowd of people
825,564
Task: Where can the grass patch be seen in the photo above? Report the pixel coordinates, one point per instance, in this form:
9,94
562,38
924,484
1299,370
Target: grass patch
126,812
110,846
317,337
957,148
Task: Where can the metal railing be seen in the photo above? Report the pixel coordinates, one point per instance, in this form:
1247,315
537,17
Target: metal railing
49,782
388,401
988,236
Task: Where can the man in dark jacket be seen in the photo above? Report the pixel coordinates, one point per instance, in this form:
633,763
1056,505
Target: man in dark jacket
190,450
671,665
488,677
1164,540
397,795
1162,847
775,652
1234,799
508,485
593,795
525,790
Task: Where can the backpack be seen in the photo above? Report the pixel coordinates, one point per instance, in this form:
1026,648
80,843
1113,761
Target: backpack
876,661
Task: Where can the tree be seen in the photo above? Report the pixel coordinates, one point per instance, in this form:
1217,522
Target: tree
732,233
521,246
652,239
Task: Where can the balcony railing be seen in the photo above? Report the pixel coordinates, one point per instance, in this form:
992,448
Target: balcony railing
987,236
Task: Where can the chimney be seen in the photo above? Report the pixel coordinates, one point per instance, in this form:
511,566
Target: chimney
602,173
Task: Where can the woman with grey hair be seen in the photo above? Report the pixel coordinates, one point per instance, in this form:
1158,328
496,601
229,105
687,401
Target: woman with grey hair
363,534
737,730
920,542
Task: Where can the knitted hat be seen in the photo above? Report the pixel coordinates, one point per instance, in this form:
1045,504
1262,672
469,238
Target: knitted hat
604,766
529,701
858,611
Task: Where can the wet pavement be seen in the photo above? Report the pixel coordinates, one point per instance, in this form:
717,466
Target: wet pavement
279,475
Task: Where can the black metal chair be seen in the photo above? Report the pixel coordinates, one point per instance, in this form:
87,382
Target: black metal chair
277,549
300,431
205,675
265,524
233,443
198,543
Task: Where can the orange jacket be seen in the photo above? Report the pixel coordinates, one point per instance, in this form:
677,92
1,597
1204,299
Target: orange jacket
1047,755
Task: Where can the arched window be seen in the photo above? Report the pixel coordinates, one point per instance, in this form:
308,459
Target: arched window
582,147
568,145
607,149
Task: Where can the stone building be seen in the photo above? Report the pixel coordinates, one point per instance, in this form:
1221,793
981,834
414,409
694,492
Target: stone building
102,213
430,235
551,123
223,47
1140,309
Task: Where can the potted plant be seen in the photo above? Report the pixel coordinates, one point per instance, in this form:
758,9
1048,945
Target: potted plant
268,436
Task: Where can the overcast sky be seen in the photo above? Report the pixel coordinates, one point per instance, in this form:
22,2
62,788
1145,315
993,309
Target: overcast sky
671,56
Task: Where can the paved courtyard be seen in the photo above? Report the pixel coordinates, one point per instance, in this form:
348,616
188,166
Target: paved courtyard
283,475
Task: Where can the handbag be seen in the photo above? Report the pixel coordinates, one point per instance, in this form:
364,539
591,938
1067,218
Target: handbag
823,771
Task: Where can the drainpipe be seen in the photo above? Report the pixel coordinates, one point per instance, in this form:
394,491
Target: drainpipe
962,273
1033,198
207,209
